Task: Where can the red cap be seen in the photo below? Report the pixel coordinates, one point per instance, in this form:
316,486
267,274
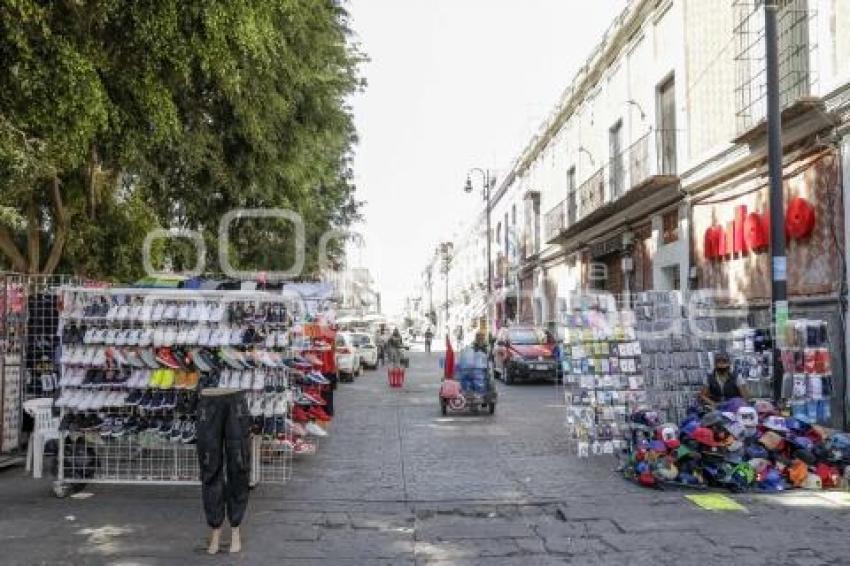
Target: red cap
705,436
646,479
828,475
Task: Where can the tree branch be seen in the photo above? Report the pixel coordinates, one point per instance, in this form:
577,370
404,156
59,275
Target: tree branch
61,232
33,235
11,251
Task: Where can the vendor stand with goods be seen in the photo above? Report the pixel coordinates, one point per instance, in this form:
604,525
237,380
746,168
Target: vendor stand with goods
727,441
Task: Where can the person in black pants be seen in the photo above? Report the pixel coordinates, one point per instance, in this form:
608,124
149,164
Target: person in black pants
223,434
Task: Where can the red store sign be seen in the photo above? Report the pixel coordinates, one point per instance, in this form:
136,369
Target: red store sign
750,232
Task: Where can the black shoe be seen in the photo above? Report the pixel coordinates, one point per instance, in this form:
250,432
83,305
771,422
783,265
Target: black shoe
157,400
189,432
176,433
146,400
134,398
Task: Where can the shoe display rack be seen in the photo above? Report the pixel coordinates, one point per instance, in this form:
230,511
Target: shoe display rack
603,375
133,361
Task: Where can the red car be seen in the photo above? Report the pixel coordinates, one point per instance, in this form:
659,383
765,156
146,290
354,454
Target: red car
524,353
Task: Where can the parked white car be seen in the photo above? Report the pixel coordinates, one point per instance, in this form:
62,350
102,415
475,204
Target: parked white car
347,356
367,350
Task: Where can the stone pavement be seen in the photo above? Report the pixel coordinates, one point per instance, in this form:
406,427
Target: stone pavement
396,483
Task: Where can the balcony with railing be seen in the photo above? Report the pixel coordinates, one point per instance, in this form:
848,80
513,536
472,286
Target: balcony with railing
647,164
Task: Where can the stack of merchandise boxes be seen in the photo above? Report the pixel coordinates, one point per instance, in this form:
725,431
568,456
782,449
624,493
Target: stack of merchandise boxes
603,375
677,352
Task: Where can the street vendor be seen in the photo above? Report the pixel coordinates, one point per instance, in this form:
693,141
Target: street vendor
480,343
721,384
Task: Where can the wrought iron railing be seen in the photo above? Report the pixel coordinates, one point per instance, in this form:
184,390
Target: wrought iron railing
554,221
652,156
591,193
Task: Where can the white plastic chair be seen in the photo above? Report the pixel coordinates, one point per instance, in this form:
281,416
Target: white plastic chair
46,428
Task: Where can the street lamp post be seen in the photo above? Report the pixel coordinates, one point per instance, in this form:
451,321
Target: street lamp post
489,182
446,257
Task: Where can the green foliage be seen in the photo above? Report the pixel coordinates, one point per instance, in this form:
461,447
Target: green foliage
172,113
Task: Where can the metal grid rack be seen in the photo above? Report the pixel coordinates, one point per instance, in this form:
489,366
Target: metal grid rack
106,441
29,317
798,47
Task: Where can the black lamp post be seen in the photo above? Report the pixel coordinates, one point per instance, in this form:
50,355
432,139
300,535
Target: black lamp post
489,182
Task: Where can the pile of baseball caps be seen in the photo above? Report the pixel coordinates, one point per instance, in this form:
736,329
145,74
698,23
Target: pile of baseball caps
739,447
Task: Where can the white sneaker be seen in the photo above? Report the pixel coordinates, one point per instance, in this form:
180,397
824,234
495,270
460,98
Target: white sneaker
170,312
146,337
268,406
112,313
203,336
314,429
123,312
217,312
170,336
280,408
247,380
99,358
280,339
158,338
183,312
259,383
157,312
74,399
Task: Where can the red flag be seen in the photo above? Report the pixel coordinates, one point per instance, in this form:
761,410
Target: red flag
449,366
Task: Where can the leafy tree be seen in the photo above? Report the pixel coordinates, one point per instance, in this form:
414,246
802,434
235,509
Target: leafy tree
118,117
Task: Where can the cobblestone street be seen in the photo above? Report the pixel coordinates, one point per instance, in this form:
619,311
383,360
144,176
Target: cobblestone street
396,483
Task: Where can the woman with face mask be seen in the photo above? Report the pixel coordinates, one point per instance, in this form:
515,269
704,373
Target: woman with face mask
721,384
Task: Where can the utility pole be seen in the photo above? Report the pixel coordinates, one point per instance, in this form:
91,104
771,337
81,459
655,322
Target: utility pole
779,261
489,183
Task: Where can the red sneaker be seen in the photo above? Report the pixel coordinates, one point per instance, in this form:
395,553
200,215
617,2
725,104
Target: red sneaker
166,358
299,415
319,414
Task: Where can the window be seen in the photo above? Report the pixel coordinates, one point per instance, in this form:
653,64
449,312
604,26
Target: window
666,104
615,150
571,196
670,227
535,207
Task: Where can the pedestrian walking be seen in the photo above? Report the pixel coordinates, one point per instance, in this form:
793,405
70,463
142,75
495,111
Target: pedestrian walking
429,335
381,344
394,346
